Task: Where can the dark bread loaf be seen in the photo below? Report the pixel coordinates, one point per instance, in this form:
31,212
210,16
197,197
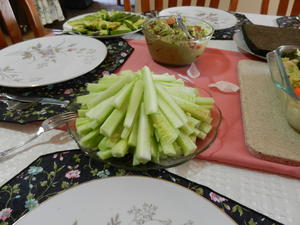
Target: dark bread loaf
263,39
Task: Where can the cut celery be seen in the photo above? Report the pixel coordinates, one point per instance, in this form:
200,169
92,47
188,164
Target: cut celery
120,149
106,144
169,113
195,110
81,112
125,133
205,127
134,102
201,135
123,95
170,101
134,132
165,131
104,155
150,97
205,100
187,129
91,140
112,122
81,120
155,155
168,149
142,152
192,121
101,111
188,90
112,90
186,144
164,77
85,128
84,99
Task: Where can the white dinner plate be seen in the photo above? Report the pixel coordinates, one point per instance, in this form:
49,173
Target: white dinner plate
49,60
239,40
220,19
129,200
68,28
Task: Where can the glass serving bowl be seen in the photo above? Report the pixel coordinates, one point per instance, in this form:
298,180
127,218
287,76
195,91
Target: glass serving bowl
290,102
172,50
126,162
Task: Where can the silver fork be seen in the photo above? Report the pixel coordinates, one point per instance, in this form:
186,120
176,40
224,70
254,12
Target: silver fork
48,124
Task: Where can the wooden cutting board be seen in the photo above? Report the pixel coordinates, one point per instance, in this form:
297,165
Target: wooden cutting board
267,133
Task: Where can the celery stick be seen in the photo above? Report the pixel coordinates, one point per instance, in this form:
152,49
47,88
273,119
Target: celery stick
134,102
81,112
112,122
112,90
94,88
189,90
83,99
186,144
104,154
125,133
81,120
205,100
205,127
120,149
133,134
168,149
155,155
101,111
165,131
169,100
142,152
196,131
91,140
177,149
150,97
187,129
164,77
123,95
201,135
106,144
195,110
85,128
169,113
193,122
182,94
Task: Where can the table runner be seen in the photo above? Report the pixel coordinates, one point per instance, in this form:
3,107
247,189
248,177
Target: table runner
117,54
215,65
55,172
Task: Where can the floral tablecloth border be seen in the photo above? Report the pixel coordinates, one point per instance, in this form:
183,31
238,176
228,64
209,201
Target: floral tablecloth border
55,172
118,50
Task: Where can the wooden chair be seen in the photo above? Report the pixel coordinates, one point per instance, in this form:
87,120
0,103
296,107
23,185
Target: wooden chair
11,25
145,4
282,7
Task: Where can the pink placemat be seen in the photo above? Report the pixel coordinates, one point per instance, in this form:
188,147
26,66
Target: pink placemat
215,65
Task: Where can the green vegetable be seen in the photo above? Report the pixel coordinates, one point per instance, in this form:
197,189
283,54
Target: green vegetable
147,116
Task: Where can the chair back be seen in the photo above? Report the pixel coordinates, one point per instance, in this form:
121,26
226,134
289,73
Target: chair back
282,7
159,4
11,25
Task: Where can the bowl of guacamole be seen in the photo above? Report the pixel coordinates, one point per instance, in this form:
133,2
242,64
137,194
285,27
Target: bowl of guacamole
168,44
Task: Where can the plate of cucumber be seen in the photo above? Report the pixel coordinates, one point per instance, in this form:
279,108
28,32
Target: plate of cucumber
141,120
105,24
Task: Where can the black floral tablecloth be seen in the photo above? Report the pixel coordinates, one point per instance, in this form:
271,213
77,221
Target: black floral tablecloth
55,172
288,21
118,50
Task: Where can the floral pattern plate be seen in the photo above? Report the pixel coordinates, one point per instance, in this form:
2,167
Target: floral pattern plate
49,60
126,200
218,18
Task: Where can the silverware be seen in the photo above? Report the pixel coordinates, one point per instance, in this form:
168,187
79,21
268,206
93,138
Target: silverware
48,124
50,101
179,22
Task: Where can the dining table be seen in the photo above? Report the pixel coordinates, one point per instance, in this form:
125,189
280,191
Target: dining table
271,191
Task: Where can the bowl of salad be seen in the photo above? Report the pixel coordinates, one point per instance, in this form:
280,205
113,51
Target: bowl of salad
141,120
284,64
169,44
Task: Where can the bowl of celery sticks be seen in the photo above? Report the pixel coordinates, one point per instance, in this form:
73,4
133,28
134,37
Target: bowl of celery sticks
141,120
